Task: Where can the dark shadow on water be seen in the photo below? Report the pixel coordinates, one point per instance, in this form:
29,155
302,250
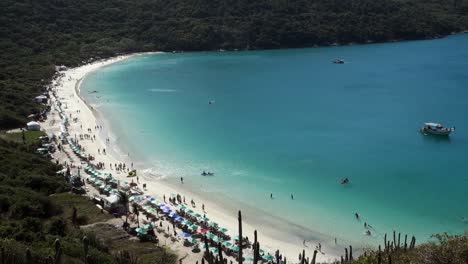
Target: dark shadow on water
436,139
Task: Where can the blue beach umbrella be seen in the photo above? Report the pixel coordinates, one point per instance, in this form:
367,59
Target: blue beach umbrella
185,235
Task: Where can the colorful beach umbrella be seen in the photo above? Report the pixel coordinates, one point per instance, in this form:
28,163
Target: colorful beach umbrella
185,235
203,231
267,257
223,230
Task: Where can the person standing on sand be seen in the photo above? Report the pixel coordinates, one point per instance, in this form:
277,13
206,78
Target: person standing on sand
181,178
271,195
292,196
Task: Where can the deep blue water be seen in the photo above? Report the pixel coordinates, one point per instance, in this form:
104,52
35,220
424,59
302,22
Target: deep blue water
290,121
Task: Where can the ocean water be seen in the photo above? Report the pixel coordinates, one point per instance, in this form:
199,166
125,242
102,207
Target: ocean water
291,122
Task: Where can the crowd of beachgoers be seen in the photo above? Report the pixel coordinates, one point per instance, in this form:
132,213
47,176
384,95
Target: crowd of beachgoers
156,212
171,216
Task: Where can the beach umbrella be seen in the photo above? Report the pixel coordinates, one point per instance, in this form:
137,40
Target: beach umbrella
227,243
187,223
193,227
237,237
185,235
166,211
179,219
197,215
203,231
267,257
141,230
217,239
210,235
249,259
223,230
192,240
189,211
213,224
181,207
235,248
174,216
205,219
214,250
62,171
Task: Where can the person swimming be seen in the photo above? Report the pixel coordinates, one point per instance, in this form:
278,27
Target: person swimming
345,181
356,215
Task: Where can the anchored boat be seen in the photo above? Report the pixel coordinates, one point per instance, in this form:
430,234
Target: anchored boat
436,129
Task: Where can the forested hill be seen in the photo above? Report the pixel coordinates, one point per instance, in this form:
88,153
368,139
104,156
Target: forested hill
36,34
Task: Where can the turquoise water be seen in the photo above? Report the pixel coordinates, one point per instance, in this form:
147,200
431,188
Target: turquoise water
290,121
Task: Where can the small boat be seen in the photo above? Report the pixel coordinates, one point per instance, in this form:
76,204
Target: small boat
204,173
436,129
338,61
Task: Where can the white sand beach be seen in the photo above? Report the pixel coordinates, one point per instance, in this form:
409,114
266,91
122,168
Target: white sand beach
85,117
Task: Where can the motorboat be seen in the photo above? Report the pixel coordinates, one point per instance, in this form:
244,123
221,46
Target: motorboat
338,61
436,129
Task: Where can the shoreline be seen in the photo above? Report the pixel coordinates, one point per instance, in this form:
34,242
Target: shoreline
270,238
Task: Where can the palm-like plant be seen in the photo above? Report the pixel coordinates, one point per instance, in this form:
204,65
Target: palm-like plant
124,199
136,212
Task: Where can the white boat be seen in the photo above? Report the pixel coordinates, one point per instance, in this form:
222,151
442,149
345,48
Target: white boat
436,129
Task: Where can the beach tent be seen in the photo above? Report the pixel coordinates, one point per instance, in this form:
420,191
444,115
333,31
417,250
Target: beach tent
41,99
33,126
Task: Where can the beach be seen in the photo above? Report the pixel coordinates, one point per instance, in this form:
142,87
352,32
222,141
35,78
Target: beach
104,147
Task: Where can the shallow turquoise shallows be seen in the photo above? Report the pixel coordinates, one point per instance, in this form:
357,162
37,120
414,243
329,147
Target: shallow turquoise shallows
292,122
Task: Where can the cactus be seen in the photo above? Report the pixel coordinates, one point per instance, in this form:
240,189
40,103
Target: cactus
399,234
385,241
207,252
240,237
220,252
406,242
58,251
85,248
74,215
379,256
255,248
28,256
